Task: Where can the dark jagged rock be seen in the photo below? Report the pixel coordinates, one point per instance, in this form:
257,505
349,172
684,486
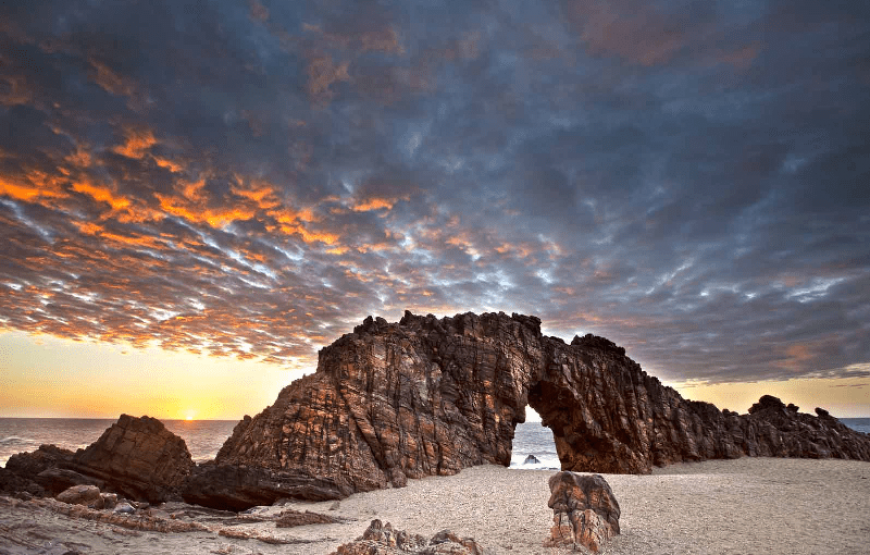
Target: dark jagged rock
30,465
35,472
381,539
585,512
531,459
11,483
138,458
428,396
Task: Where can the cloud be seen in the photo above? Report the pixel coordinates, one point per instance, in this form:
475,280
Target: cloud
684,178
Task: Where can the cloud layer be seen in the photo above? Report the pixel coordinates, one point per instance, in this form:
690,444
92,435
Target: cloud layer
689,179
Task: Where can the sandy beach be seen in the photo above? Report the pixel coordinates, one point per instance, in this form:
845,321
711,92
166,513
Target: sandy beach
749,505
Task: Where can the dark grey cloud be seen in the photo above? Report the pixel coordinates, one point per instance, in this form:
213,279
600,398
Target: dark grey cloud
251,179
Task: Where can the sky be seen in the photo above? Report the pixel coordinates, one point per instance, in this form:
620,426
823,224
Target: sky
196,196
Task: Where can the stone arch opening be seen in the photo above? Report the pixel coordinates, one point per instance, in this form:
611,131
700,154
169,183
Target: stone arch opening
581,443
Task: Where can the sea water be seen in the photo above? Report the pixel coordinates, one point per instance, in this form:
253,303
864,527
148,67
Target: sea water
205,437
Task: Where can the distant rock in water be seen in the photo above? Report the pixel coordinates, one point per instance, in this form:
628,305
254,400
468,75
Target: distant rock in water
428,396
531,459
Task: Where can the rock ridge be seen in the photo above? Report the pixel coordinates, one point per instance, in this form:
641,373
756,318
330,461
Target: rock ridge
430,396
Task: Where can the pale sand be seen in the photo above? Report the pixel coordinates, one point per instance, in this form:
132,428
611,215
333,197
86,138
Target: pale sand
745,506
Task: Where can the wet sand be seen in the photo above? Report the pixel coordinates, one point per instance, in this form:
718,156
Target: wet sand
744,506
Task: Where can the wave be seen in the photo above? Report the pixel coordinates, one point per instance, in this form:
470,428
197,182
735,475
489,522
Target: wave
15,440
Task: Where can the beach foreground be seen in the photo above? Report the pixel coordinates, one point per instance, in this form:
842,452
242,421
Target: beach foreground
748,505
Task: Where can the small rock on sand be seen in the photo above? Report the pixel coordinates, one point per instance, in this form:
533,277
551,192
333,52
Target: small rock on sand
86,495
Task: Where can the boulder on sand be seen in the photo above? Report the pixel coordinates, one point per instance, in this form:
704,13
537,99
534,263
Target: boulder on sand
86,495
585,512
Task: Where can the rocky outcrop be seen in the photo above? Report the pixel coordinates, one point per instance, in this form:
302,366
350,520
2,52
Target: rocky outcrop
138,458
428,396
30,465
135,457
585,512
41,472
11,483
381,539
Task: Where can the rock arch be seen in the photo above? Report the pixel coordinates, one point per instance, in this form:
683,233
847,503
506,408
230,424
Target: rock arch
428,396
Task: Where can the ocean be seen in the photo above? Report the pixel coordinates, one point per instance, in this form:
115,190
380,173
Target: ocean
205,437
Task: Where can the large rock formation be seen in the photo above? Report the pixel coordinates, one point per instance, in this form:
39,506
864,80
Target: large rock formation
429,396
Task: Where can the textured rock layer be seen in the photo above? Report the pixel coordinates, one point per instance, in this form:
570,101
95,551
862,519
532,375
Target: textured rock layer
429,396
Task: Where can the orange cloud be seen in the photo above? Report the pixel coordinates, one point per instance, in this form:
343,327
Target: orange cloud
167,164
192,190
193,213
374,203
309,236
260,192
36,184
110,81
137,144
79,159
102,194
134,240
521,250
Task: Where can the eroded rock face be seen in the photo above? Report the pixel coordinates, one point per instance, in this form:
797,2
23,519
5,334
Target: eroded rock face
428,396
138,458
585,512
381,539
